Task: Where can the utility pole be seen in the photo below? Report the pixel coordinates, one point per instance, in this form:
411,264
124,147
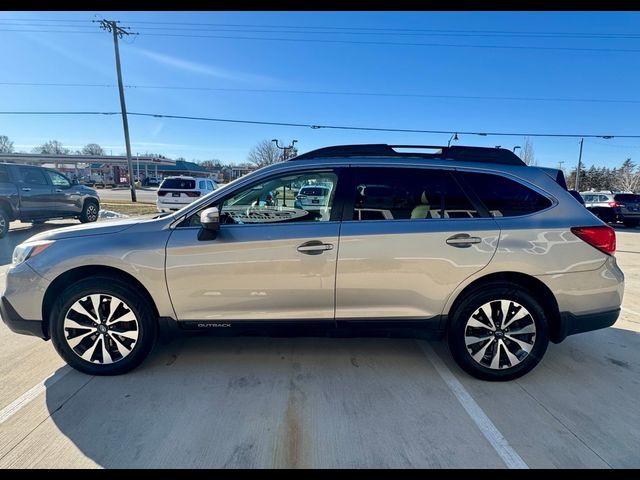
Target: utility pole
560,164
579,165
112,27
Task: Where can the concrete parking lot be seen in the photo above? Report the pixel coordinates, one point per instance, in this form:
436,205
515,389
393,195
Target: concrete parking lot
325,402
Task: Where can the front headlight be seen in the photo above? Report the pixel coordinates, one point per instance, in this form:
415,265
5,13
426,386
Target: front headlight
28,250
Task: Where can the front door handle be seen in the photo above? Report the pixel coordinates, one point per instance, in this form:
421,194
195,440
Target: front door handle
58,190
314,247
462,240
26,189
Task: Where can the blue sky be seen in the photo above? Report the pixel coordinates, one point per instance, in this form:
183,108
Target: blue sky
239,65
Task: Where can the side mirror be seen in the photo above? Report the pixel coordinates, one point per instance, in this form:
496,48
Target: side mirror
210,221
74,182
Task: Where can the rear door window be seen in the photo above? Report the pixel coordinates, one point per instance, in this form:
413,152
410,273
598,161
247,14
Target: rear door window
32,176
408,194
504,197
4,174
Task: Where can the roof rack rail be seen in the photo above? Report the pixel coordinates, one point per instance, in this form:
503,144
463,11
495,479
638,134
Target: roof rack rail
456,152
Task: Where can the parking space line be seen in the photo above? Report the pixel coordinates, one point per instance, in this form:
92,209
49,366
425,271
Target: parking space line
14,407
630,311
509,456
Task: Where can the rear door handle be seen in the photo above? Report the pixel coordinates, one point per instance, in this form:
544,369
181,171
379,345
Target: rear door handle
314,247
58,190
26,189
462,240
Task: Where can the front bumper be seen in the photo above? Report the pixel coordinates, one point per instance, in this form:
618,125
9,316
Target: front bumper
571,324
18,324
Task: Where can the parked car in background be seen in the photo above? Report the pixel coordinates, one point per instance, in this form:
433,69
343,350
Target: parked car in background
176,192
313,197
36,194
614,207
151,182
524,265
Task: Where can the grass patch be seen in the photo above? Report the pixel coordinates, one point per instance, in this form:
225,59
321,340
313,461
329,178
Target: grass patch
129,208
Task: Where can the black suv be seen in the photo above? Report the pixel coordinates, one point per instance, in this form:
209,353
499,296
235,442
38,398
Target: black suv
614,207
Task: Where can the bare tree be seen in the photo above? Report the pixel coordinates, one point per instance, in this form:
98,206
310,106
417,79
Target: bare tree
6,145
92,149
265,153
52,147
628,178
527,152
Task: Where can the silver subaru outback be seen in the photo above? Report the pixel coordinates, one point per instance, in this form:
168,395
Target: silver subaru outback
464,242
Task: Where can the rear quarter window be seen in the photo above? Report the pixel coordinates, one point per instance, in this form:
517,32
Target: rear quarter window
504,197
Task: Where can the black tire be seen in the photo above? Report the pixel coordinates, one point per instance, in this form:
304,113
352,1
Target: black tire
459,331
631,223
103,287
89,211
4,222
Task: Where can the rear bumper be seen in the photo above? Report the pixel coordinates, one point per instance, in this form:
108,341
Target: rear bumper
18,324
571,324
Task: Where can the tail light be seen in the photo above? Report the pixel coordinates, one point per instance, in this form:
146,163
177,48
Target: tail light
162,193
601,237
614,204
300,197
193,194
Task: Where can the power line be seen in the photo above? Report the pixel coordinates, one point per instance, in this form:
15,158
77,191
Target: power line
48,31
334,127
361,42
409,44
326,92
329,27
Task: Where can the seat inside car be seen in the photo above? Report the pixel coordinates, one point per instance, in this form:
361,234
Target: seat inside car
423,208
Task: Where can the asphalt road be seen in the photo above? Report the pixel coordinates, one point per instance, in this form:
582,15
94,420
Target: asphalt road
326,402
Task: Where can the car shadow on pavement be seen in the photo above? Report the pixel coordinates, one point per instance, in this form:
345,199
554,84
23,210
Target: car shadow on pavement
256,402
19,232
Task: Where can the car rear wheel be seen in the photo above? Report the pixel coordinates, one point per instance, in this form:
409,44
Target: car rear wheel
499,332
89,211
102,326
4,223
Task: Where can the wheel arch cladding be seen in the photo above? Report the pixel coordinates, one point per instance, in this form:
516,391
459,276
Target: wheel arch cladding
68,278
535,287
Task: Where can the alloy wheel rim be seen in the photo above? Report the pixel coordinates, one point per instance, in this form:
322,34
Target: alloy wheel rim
101,328
92,214
500,334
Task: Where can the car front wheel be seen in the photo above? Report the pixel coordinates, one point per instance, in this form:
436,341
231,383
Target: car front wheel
499,332
102,326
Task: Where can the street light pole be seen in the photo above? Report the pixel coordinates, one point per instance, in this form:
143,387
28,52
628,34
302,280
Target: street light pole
284,159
